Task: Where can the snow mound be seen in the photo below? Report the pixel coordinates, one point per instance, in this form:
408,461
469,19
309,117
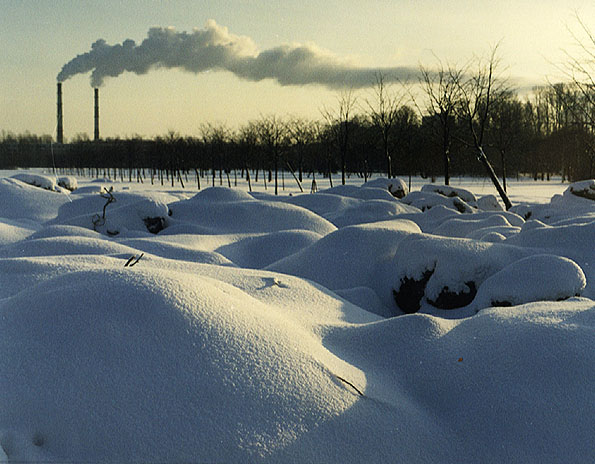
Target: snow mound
425,200
12,231
451,192
198,354
94,188
321,203
396,186
488,233
25,202
344,211
222,195
513,384
68,182
162,367
361,193
64,245
175,251
246,216
573,241
351,257
431,218
65,231
535,278
113,213
583,189
489,203
465,225
445,272
575,205
366,211
257,252
41,181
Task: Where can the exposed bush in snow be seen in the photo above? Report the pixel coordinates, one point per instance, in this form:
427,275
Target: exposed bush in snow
114,213
39,180
583,189
574,205
489,203
449,270
451,192
410,291
534,278
22,201
68,182
396,186
429,199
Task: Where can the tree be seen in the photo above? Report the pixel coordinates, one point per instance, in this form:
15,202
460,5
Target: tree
506,124
581,71
478,92
443,91
301,133
407,129
215,137
339,126
383,111
80,137
273,134
247,140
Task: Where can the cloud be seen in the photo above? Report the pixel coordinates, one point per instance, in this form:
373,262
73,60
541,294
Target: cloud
215,48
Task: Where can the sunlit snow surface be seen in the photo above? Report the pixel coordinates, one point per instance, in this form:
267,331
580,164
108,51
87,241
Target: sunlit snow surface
248,327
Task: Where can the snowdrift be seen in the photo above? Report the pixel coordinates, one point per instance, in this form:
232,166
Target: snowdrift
242,327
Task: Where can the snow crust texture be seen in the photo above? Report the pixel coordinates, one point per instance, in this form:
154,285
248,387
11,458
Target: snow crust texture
360,323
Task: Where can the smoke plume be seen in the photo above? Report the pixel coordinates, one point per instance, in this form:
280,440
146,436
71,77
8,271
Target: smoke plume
215,48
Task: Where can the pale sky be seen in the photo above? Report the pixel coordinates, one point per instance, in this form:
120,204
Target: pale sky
38,37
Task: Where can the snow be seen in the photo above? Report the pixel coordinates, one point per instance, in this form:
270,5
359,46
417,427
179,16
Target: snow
261,328
425,200
67,182
535,278
39,180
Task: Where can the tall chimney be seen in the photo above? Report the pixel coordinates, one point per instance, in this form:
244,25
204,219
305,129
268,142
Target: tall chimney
60,129
96,138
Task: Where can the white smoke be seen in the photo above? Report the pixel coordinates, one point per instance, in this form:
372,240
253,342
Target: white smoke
215,48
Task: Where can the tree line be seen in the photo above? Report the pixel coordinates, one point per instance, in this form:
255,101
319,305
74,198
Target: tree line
457,117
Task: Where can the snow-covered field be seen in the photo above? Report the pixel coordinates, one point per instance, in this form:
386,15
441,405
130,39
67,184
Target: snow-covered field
141,323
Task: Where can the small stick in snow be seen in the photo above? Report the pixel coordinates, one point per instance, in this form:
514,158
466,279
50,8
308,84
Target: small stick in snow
130,261
350,384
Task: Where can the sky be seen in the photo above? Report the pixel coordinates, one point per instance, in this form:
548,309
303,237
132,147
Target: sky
234,61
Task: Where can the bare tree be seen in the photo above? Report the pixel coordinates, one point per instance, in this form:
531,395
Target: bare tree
215,137
273,135
581,71
247,140
301,133
506,121
477,97
443,91
338,123
383,111
174,142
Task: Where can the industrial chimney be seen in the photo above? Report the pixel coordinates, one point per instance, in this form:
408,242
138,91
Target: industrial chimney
96,138
59,129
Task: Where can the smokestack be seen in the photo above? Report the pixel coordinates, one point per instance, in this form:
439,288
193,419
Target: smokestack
96,138
60,129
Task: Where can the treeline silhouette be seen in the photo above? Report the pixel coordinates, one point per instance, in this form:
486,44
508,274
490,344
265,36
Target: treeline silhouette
543,135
